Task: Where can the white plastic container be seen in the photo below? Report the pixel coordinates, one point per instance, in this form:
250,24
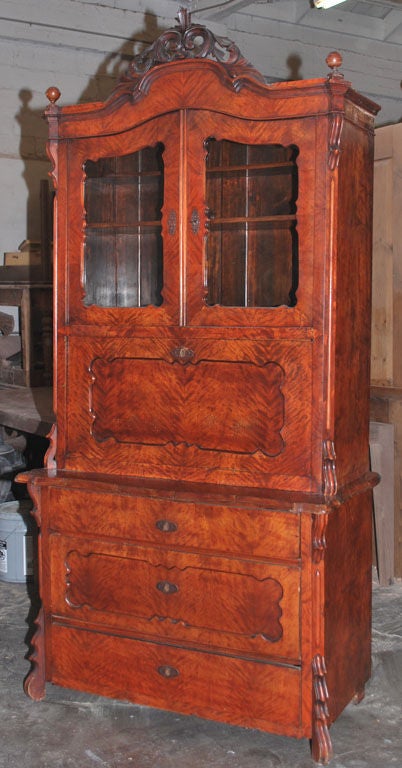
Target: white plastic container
16,541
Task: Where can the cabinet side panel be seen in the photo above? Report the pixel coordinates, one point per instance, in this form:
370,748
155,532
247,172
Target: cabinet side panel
348,601
353,305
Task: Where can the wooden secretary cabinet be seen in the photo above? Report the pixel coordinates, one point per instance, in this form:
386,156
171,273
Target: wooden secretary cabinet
205,538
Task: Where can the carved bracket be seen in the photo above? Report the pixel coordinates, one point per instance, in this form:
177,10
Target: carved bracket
329,468
335,133
321,743
50,456
320,522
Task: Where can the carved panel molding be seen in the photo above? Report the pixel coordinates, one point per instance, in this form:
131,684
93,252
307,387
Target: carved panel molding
159,402
156,593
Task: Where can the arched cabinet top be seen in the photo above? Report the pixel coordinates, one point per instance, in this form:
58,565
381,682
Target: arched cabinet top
166,77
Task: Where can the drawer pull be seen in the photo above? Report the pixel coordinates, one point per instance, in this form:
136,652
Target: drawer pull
166,526
167,671
167,587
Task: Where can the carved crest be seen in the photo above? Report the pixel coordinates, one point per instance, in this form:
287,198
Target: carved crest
191,41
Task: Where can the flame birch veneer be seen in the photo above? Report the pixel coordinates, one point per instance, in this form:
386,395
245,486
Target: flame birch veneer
205,512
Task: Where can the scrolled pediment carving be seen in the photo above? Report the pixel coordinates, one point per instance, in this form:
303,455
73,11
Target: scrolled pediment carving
191,41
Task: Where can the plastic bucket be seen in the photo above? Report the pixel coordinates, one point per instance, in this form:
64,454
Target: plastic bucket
16,541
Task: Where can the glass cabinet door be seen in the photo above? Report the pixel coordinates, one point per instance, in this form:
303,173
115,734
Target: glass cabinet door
123,235
256,204
123,247
251,247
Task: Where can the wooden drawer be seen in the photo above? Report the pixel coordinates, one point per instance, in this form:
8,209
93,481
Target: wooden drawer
219,602
260,533
218,687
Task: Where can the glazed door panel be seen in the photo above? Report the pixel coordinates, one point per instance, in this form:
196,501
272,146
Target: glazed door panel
250,222
123,229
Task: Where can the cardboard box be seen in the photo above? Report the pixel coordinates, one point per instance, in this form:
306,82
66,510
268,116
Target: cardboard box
22,258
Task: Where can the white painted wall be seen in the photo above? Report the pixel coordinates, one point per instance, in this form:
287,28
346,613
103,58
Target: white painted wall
82,45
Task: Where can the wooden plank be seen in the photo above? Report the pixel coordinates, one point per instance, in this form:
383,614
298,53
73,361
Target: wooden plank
386,359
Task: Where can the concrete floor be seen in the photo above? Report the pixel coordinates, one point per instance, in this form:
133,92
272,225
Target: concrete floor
75,730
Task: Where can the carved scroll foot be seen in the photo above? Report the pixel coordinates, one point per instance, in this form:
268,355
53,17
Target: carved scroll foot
321,745
34,683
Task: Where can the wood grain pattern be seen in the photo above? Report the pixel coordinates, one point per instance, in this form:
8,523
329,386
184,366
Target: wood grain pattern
154,403
196,523
206,535
148,587
219,372
267,695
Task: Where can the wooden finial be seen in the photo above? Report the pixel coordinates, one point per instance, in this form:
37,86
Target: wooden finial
53,94
334,61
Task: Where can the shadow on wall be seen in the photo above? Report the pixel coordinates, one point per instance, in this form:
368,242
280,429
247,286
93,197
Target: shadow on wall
34,133
33,127
294,64
116,63
32,150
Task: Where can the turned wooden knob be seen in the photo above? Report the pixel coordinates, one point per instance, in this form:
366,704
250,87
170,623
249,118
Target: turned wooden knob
53,94
334,60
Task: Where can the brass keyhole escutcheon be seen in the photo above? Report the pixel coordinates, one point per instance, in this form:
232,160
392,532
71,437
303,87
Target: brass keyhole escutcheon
168,672
182,354
167,587
166,526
